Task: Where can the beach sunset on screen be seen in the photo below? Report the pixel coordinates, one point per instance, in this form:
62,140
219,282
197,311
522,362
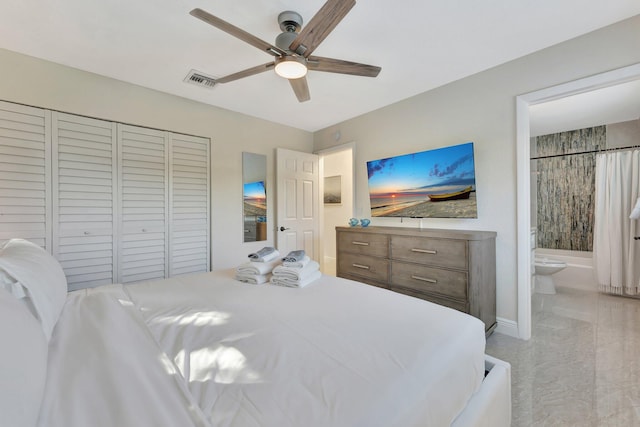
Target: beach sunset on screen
255,198
413,180
254,191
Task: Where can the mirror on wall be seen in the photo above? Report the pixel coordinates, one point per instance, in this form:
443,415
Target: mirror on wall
254,195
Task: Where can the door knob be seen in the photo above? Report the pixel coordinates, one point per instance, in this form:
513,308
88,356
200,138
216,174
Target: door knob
282,228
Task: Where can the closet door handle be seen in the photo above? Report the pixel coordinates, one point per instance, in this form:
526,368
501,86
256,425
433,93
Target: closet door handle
424,251
364,267
424,279
360,243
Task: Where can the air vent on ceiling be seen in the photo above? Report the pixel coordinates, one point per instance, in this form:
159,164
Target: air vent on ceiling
200,79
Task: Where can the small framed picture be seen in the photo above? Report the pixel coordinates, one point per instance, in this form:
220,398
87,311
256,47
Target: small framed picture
333,190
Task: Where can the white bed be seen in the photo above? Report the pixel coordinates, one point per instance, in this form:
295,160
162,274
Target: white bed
207,350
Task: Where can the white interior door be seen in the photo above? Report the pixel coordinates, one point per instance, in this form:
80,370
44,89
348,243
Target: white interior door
189,179
84,199
298,197
25,174
143,169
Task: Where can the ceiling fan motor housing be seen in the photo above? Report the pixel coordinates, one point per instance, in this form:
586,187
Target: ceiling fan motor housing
284,40
290,21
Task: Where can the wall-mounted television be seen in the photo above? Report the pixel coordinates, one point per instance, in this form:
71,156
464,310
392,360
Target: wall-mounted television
438,183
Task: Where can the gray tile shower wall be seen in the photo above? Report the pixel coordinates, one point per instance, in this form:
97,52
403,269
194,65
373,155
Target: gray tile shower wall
565,188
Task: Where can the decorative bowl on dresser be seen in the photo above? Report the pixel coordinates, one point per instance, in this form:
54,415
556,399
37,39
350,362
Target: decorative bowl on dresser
454,268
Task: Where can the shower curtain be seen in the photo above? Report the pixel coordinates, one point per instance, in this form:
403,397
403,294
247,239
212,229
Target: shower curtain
616,254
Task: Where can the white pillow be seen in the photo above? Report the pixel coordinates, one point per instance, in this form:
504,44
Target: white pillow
40,275
23,363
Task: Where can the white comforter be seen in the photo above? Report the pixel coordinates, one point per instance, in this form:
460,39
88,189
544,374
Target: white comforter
207,350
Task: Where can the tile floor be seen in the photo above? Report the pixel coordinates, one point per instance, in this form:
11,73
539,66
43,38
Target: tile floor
582,364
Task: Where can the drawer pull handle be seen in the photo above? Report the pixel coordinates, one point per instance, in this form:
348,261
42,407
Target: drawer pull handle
360,243
424,279
364,267
424,251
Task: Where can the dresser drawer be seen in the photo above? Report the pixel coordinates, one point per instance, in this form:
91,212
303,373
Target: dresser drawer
363,266
439,252
452,284
364,243
454,268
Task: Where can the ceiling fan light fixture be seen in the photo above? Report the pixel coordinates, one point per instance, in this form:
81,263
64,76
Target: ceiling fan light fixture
291,67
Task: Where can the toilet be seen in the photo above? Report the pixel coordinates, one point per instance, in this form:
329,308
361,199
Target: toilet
544,268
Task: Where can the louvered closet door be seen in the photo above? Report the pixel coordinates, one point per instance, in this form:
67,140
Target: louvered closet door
144,207
84,202
25,185
189,201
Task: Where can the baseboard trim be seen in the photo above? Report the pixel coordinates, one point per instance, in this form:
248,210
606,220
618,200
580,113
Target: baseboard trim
507,327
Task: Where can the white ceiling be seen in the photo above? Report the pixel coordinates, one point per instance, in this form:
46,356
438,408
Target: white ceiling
613,104
420,45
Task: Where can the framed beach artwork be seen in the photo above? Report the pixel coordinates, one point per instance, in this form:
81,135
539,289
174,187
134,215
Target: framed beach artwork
438,183
333,190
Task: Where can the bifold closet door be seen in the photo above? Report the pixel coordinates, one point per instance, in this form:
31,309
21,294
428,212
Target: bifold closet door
143,171
189,202
85,199
25,174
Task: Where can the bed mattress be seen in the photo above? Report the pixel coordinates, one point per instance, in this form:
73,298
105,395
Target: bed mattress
207,350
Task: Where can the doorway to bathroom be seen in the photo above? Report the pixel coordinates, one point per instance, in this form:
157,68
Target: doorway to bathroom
547,112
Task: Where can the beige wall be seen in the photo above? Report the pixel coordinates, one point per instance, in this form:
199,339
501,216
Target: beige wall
481,108
39,83
624,134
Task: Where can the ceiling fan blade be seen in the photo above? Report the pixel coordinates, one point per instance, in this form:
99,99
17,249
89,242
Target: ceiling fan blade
319,27
301,88
330,65
246,73
237,32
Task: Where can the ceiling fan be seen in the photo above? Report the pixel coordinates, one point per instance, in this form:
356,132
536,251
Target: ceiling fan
293,47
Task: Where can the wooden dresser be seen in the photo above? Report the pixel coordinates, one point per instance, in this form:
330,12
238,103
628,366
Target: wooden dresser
454,268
